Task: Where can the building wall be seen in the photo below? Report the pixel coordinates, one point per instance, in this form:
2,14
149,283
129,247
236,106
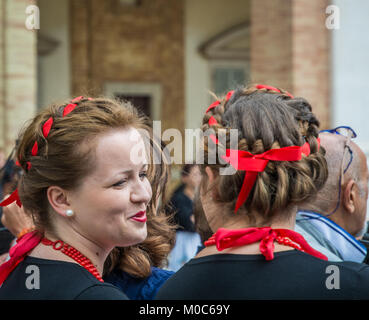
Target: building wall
112,43
203,20
271,43
18,83
54,68
290,48
311,51
350,69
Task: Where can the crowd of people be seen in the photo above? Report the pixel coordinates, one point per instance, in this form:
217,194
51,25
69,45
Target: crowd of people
96,223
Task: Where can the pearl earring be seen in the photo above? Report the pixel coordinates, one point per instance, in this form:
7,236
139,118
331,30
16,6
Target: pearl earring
69,212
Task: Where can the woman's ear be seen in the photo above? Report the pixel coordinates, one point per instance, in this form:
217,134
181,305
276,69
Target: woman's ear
58,200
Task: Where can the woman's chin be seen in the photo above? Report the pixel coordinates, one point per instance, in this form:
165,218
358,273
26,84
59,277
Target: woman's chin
134,238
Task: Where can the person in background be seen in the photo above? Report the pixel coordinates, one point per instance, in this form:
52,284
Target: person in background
181,207
10,175
335,217
250,195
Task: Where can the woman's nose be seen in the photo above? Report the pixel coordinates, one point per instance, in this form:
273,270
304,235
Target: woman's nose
141,192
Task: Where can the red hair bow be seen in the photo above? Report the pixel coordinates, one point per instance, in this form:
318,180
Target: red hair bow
252,164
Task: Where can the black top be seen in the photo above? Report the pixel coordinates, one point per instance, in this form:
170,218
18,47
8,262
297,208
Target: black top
291,275
43,279
6,239
182,207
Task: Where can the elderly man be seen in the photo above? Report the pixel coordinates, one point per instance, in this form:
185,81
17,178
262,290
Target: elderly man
333,220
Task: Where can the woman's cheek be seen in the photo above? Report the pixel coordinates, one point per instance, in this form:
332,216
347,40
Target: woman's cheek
149,189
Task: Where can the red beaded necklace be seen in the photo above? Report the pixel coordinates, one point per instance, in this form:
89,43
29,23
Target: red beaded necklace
74,254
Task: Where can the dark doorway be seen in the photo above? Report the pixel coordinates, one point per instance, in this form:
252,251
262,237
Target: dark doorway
142,103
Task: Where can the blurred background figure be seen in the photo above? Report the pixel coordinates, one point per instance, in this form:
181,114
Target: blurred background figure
9,176
181,207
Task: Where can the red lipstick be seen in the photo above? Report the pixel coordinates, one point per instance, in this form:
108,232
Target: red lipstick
140,216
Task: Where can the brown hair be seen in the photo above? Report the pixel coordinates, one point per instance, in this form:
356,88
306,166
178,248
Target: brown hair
267,119
66,156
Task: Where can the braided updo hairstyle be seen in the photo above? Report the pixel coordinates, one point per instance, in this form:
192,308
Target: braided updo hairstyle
266,119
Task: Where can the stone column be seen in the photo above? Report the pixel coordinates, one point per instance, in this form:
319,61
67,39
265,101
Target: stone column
290,48
18,70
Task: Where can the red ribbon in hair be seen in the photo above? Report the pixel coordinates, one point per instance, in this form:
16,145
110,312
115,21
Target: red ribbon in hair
212,120
214,104
252,164
263,86
69,108
13,197
46,127
225,238
18,252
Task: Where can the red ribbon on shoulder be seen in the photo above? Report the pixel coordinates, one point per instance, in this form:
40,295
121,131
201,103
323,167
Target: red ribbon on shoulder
225,238
18,252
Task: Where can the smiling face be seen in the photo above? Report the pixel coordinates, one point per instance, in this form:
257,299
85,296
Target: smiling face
110,203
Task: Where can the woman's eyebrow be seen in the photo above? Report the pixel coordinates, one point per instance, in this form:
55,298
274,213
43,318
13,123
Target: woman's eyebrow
145,166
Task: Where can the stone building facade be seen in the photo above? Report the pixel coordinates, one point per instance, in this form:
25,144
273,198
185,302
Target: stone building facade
168,51
18,70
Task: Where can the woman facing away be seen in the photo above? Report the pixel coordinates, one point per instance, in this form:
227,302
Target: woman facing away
276,163
86,194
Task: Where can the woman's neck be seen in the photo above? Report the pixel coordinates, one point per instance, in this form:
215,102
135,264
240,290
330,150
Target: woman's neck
86,247
280,224
238,222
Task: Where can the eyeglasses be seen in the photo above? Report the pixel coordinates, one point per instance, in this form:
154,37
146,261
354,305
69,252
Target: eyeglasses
349,133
